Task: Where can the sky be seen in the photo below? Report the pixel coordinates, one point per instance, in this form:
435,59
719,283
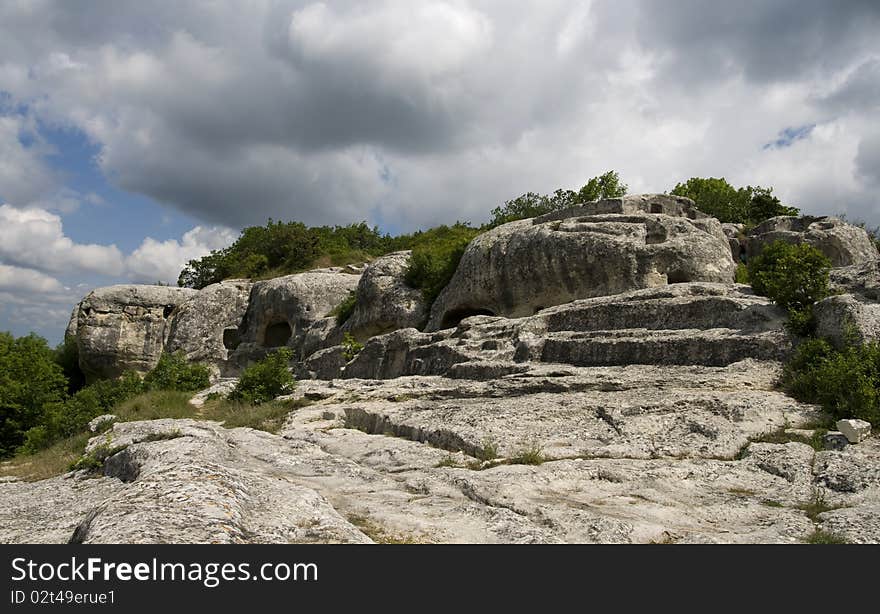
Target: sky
137,135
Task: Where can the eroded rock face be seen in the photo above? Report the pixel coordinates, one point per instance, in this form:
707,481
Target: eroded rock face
843,243
206,326
602,248
847,318
385,303
630,454
121,328
281,310
693,323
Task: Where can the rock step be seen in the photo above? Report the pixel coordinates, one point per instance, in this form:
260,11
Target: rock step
713,347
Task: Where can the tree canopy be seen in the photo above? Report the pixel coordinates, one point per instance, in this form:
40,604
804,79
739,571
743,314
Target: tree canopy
749,205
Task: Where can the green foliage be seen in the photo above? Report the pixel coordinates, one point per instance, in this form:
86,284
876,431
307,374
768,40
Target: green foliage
825,537
264,380
531,204
748,205
30,380
280,248
344,309
350,346
792,276
845,382
532,455
173,372
435,256
742,274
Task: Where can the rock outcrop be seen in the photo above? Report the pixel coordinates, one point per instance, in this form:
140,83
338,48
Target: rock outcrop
847,318
121,328
844,244
627,454
282,310
384,301
205,328
606,247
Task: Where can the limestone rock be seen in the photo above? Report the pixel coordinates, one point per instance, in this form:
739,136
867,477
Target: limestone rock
206,326
98,422
854,430
281,310
602,248
843,243
385,303
847,318
862,280
735,234
123,327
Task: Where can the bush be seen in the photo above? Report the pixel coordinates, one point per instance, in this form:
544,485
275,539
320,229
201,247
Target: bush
844,382
436,256
67,357
266,379
30,380
794,277
344,309
173,372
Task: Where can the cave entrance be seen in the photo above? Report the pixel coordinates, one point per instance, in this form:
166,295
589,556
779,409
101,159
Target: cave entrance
231,338
452,318
277,335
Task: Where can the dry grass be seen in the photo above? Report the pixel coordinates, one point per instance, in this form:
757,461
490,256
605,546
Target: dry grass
47,463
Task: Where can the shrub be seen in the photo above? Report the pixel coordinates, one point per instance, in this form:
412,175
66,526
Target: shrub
266,379
30,380
846,382
344,309
173,372
350,346
436,256
67,357
742,274
794,277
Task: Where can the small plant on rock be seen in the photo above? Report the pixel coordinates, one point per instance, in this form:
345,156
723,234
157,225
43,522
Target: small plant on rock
344,309
351,347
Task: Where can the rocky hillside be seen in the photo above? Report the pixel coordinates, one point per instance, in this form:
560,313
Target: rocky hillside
592,375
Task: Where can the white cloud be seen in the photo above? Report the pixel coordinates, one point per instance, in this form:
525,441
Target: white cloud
35,238
18,279
24,175
163,260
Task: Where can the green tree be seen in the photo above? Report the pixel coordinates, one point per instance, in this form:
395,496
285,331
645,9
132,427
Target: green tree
607,185
30,380
748,205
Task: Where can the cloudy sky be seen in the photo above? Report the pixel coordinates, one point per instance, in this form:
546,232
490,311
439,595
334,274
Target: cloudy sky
135,135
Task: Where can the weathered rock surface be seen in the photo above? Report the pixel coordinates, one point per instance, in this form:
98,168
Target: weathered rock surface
694,323
120,328
602,248
631,454
281,310
735,234
843,243
847,318
385,303
205,327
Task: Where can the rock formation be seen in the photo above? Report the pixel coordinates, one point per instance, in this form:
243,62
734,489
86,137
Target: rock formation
588,376
123,327
607,247
843,243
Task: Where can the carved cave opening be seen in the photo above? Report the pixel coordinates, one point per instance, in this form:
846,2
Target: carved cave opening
452,318
277,335
231,338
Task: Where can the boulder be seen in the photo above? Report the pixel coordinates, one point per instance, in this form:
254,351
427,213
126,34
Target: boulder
121,328
847,318
602,248
205,327
281,310
735,234
854,430
861,279
843,243
384,301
